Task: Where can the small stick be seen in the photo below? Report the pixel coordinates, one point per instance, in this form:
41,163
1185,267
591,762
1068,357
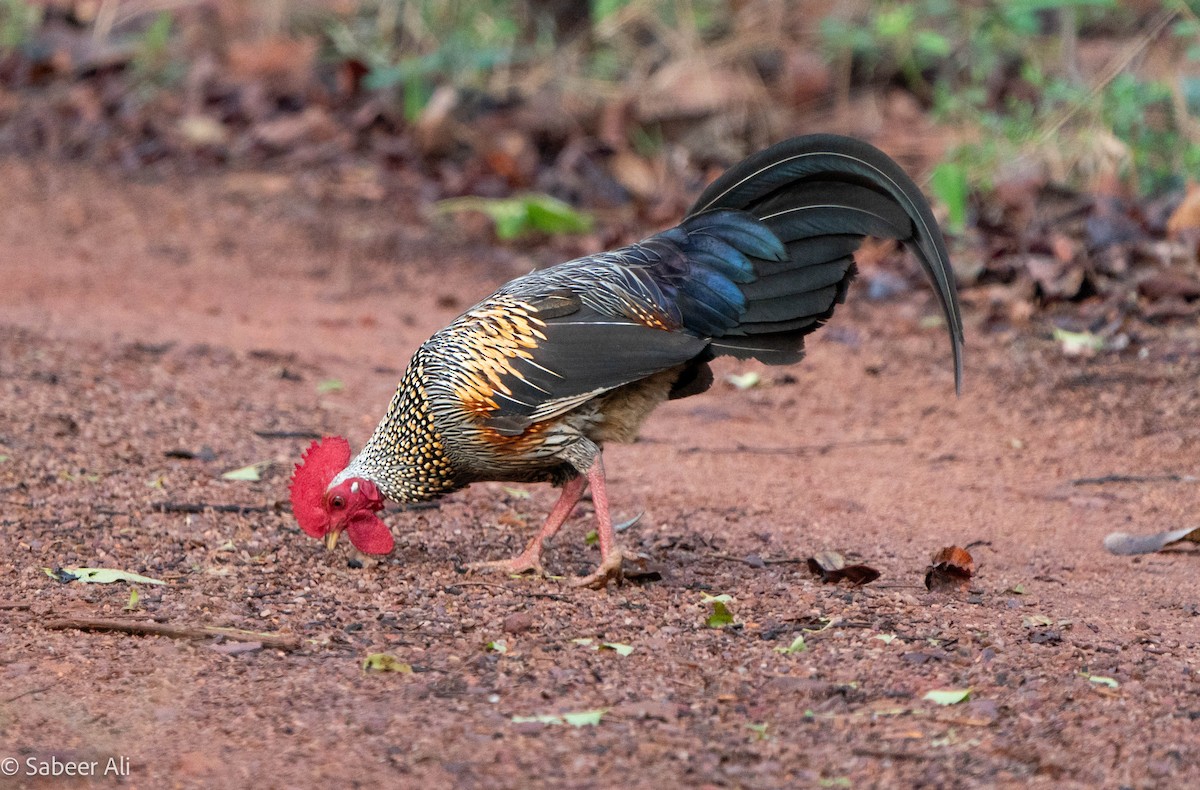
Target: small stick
479,584
143,627
888,754
26,693
804,449
289,434
735,558
1135,478
14,605
201,507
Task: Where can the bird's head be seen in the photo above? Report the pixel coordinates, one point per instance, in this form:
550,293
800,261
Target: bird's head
325,511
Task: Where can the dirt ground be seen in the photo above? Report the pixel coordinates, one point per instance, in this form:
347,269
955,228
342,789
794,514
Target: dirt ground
156,335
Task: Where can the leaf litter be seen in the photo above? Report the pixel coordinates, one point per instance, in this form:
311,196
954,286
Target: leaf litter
98,576
950,569
1124,544
831,568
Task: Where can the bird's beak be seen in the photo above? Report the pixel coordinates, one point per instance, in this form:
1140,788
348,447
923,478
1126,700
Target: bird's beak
331,539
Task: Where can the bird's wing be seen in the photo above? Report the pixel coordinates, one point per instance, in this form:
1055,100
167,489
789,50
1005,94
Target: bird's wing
529,358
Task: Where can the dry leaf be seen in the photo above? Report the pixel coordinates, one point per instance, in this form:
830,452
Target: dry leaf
1187,216
1165,284
831,567
950,568
1122,543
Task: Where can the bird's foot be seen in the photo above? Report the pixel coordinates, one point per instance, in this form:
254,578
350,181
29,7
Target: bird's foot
609,570
522,563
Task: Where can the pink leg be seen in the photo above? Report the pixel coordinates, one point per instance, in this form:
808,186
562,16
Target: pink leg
611,554
531,558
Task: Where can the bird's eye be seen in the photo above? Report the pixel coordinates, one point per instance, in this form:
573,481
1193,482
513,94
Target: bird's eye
338,502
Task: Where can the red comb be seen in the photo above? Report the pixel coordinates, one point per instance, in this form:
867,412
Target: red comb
318,466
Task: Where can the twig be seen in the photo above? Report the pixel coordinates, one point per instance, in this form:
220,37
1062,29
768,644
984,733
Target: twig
1097,481
1115,67
479,584
735,558
146,628
14,605
888,754
804,449
27,693
288,434
202,507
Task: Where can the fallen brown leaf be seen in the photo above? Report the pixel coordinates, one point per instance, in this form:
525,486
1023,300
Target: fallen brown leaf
1165,284
950,568
1187,216
831,567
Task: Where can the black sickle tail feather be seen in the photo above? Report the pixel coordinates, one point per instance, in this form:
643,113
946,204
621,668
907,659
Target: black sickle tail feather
819,195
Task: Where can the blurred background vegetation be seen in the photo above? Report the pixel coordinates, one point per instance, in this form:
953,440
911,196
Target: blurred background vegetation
1047,130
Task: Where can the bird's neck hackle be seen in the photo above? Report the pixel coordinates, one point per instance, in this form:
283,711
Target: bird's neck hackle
405,456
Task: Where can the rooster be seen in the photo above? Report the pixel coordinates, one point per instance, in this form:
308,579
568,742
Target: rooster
532,382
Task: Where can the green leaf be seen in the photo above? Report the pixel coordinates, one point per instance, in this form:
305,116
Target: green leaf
515,216
592,538
552,216
248,474
497,646
759,730
330,385
887,639
582,640
100,576
721,616
4,458
603,9
1076,343
516,493
949,183
618,648
932,44
385,662
797,646
947,696
1101,680
539,718
583,718
133,600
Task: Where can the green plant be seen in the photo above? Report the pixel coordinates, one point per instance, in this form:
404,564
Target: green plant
1006,75
523,214
411,47
152,64
19,20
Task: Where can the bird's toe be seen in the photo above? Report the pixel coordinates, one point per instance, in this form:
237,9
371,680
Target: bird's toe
516,565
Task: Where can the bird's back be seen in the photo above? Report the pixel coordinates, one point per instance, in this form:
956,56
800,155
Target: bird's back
531,381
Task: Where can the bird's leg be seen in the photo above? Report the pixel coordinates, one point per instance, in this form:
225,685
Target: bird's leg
611,555
531,558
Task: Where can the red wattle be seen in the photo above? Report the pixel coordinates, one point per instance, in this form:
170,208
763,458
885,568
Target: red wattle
369,534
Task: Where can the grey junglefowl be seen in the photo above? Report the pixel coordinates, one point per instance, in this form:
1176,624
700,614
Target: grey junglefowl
532,382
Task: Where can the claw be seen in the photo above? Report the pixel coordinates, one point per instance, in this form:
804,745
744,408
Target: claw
518,564
610,569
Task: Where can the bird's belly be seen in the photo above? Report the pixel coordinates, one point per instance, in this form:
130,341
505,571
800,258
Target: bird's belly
554,451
